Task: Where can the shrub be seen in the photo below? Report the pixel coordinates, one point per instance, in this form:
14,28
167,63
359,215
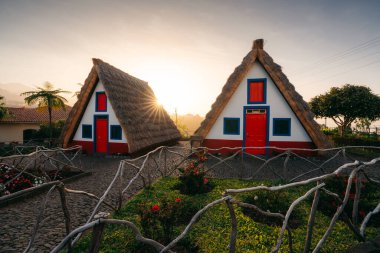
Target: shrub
275,202
159,220
368,198
192,178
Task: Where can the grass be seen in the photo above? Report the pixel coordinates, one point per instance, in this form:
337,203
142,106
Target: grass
211,233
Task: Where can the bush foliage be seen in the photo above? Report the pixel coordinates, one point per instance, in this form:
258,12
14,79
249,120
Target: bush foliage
211,233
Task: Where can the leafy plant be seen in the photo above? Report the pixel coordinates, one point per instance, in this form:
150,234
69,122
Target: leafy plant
193,177
275,202
369,197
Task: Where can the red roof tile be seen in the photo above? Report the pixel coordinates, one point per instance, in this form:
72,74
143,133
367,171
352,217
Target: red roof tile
33,115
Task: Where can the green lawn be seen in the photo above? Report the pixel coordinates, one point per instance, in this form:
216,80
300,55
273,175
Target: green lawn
211,233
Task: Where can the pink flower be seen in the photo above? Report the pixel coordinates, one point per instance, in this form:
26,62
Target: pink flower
205,180
155,208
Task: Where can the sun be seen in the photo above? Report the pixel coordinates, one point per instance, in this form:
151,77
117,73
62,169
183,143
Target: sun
166,80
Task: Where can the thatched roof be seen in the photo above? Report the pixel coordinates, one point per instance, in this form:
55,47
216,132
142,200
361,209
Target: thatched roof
295,100
144,123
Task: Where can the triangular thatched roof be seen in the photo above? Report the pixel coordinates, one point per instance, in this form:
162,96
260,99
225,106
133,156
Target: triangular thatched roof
145,124
295,100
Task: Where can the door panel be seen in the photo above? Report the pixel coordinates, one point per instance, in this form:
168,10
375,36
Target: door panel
101,135
256,130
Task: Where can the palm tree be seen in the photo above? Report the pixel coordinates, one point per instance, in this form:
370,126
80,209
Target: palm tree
3,110
48,98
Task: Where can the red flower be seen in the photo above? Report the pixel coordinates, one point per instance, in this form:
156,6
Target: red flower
205,180
177,200
155,208
362,213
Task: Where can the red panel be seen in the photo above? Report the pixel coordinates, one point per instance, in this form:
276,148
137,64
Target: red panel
87,146
101,135
114,148
256,92
118,148
255,132
215,144
294,144
101,102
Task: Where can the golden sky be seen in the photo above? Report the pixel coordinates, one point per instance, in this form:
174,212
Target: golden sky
187,49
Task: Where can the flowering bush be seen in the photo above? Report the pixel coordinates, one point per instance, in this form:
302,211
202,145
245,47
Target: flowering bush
192,178
328,205
158,220
11,182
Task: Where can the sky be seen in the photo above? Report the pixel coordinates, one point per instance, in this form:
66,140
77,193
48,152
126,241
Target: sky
186,49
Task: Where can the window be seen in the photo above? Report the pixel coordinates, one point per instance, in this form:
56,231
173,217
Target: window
256,91
281,126
87,131
231,126
101,102
115,132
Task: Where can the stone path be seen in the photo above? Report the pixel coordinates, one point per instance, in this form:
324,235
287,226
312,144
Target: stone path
17,220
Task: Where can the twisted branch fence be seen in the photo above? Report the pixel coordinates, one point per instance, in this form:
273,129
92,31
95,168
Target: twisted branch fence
289,165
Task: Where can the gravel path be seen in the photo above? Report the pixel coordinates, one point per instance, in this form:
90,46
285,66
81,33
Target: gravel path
17,220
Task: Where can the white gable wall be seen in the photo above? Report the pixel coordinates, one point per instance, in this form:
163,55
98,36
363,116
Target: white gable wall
88,117
278,108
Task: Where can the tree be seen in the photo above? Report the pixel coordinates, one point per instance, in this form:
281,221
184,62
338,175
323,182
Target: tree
344,105
47,98
3,110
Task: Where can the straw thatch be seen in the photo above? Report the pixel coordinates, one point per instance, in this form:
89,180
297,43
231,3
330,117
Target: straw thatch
295,100
144,123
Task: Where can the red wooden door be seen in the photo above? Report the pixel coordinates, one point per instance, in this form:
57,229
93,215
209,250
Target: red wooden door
256,130
101,135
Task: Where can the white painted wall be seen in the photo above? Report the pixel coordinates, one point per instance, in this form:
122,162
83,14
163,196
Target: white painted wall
88,117
14,132
278,109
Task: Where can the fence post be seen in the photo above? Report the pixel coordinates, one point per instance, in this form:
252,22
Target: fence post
97,233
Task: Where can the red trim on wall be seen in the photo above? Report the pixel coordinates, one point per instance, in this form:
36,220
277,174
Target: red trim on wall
215,143
114,148
218,143
118,148
87,146
294,144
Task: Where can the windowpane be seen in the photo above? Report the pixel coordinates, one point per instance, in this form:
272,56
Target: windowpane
101,102
256,92
87,131
281,127
115,132
231,126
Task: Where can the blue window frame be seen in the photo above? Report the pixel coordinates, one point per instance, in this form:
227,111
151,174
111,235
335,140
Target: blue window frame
116,132
231,126
87,131
257,91
281,126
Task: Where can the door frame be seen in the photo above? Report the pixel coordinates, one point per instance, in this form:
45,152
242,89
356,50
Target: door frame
267,125
101,116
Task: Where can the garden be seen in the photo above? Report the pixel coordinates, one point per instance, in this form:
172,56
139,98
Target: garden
172,205
23,171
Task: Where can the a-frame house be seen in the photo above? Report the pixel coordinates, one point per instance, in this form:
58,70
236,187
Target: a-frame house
117,113
259,107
